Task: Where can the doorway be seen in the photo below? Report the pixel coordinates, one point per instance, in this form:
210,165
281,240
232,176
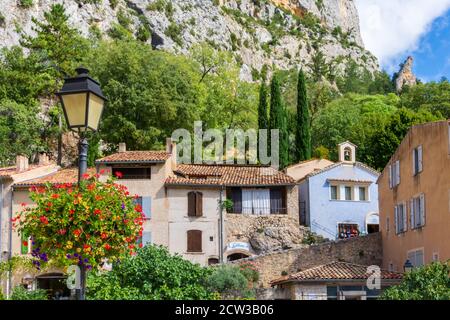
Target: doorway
237,256
55,285
373,228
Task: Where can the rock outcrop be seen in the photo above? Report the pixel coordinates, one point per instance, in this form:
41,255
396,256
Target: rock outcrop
405,77
277,33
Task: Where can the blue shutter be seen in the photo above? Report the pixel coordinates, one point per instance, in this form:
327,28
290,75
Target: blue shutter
146,237
147,207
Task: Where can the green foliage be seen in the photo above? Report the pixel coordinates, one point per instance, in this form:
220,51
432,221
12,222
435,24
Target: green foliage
321,152
19,131
113,3
388,136
263,121
157,5
433,97
303,129
152,274
25,3
431,282
2,20
20,293
278,120
230,282
174,32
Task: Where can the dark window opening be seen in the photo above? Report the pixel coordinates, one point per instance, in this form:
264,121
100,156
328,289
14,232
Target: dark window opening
373,228
237,256
212,261
55,285
132,173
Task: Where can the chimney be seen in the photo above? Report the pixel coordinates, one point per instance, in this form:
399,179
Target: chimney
21,163
122,147
169,145
43,159
171,148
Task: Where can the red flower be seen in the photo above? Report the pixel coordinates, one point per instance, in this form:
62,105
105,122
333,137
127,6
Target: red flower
97,197
140,233
131,246
25,243
91,187
71,211
103,235
102,171
62,231
43,219
49,204
55,196
140,245
77,232
85,176
138,208
23,204
97,211
125,221
107,246
119,174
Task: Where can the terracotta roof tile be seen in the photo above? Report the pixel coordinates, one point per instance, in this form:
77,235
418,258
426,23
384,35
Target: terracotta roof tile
69,175
228,175
135,156
336,270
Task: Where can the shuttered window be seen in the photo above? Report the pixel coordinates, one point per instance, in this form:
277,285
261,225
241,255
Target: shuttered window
194,241
417,213
195,204
417,160
401,220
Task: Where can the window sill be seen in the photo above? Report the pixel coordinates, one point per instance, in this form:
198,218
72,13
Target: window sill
194,253
362,201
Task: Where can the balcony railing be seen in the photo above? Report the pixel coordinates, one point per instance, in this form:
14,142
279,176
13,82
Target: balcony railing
259,211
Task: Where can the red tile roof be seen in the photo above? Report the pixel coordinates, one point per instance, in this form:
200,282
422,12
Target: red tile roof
135,156
228,175
336,270
69,175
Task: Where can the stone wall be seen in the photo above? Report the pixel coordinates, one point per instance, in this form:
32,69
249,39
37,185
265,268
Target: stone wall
365,250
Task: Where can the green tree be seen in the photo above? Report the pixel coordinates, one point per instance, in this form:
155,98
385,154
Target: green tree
19,131
20,293
152,274
388,137
278,120
263,121
303,130
230,282
431,282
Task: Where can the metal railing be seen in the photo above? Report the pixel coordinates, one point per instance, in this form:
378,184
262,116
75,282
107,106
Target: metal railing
257,210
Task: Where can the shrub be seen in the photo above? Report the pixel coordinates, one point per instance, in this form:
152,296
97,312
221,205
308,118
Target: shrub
229,282
2,20
25,3
20,293
113,3
157,5
174,32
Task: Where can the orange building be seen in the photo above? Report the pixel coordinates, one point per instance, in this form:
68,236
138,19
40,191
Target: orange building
414,198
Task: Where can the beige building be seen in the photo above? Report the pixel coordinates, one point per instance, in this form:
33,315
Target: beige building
198,211
336,281
414,198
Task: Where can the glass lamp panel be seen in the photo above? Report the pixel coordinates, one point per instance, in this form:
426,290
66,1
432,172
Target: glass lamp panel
75,107
95,110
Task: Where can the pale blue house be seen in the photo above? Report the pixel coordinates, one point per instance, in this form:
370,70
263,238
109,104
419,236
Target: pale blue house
340,200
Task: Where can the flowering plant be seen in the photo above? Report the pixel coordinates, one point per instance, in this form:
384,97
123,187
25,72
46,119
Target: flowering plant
82,225
249,270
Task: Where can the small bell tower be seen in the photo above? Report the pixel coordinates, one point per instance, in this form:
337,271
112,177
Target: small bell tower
347,152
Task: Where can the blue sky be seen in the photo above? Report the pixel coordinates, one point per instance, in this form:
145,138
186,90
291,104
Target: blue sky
394,29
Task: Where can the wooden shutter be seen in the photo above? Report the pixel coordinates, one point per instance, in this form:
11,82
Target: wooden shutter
411,214
191,204
236,197
390,176
198,204
397,172
405,217
396,219
422,209
147,206
276,201
419,155
414,162
194,241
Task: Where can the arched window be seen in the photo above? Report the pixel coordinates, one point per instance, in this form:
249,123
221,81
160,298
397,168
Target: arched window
195,204
194,241
237,256
212,261
347,154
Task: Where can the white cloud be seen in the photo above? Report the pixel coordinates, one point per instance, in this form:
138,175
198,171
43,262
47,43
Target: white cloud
392,28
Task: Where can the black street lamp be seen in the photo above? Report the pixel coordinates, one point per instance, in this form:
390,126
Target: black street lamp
83,102
408,266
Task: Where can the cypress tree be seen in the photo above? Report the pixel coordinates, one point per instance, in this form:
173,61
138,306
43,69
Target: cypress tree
263,121
278,120
303,130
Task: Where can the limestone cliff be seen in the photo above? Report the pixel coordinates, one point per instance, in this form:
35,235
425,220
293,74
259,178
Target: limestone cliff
405,77
278,33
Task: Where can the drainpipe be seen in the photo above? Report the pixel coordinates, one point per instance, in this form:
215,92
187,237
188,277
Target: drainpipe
8,290
220,226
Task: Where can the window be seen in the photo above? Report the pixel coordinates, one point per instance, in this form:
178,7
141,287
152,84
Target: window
400,218
387,224
146,204
394,174
146,238
195,204
346,230
435,257
194,241
212,261
348,193
334,192
417,212
362,194
416,258
132,173
417,160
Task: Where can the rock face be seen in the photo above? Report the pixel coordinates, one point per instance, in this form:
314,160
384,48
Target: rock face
279,33
405,76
